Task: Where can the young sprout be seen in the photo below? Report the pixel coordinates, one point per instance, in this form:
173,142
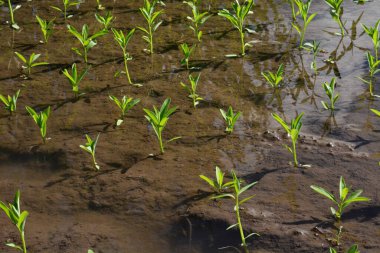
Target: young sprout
85,39
336,11
293,131
10,102
236,196
123,40
230,118
14,25
31,62
40,119
150,15
237,19
314,48
158,120
46,27
274,79
218,183
345,197
374,68
125,104
303,10
330,89
187,51
106,21
192,89
74,78
66,5
197,20
18,218
352,249
99,5
90,147
373,33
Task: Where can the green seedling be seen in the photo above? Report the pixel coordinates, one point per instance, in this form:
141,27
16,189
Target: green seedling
106,21
125,104
197,20
18,218
192,89
293,131
46,27
10,102
345,197
66,5
31,62
373,33
99,5
85,39
330,90
374,68
274,79
14,25
40,119
159,118
150,15
230,118
336,11
303,10
218,183
90,147
237,19
238,191
187,51
352,249
123,40
74,78
314,48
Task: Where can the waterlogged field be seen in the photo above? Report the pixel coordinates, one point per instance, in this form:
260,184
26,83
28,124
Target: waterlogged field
93,175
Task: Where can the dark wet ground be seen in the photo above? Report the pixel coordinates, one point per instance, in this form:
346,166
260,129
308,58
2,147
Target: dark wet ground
137,203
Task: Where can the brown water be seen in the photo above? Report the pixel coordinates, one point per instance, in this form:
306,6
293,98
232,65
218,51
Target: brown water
137,203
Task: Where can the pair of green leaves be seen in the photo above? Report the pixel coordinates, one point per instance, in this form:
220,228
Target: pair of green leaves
218,183
31,62
187,52
90,147
330,92
74,78
192,89
125,104
230,118
10,102
46,27
274,79
40,119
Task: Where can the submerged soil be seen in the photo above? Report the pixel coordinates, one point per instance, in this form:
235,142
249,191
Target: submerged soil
139,202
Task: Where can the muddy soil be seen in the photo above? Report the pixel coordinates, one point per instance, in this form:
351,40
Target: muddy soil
143,203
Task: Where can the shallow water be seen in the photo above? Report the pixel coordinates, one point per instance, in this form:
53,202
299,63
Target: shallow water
139,203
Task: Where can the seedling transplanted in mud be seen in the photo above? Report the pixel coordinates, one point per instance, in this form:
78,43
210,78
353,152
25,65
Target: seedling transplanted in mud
158,120
150,15
352,249
230,118
373,33
345,197
31,62
330,92
238,190
336,11
303,10
123,40
106,21
314,48
374,68
187,51
198,18
125,104
218,183
274,79
237,19
85,39
46,27
18,218
90,147
14,25
74,78
40,119
293,131
10,102
66,5
192,89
